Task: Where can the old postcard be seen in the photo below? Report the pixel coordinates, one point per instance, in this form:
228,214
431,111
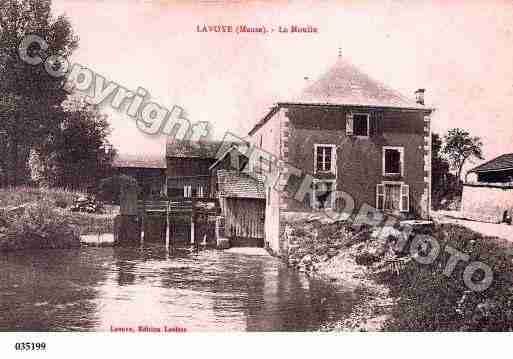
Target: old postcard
174,167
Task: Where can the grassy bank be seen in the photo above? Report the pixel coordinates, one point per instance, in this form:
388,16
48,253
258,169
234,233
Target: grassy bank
38,226
412,296
430,300
32,218
17,196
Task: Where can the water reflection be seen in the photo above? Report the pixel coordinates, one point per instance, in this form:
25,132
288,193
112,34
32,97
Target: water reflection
131,287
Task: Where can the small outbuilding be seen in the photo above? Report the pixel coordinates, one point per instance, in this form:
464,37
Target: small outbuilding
242,202
488,191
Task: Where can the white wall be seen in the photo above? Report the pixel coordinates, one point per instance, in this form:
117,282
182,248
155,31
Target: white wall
486,203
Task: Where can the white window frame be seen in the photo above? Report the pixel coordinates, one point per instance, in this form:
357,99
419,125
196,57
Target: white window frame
403,187
333,190
368,123
333,168
187,191
401,159
201,191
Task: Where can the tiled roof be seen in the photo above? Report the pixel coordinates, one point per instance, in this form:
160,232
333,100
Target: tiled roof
239,185
139,161
200,149
503,162
345,84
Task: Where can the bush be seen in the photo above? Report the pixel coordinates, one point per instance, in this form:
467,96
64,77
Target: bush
40,226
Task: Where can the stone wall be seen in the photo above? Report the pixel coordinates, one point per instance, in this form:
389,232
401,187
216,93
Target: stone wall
486,202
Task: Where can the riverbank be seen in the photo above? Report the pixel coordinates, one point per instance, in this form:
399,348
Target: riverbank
32,218
334,251
398,292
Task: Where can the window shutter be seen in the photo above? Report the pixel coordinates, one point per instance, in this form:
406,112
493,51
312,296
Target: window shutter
349,123
380,196
376,123
379,123
334,160
405,198
373,123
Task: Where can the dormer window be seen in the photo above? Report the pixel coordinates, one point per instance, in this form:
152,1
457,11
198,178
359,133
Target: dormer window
325,159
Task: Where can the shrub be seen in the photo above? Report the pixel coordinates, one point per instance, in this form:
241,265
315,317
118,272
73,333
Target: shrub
40,226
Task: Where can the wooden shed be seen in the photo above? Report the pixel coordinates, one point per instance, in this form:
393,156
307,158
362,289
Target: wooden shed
242,202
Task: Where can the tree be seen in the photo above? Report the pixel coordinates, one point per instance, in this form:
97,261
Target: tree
77,155
459,147
444,186
439,165
30,97
439,170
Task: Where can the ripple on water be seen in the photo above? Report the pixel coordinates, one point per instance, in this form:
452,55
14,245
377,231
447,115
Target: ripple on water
94,288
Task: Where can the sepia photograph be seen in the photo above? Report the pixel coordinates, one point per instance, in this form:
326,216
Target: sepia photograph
178,167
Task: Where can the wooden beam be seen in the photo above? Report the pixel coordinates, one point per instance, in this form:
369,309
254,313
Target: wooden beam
192,223
167,227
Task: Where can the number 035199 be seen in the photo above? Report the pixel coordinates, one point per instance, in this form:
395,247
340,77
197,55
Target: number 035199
30,346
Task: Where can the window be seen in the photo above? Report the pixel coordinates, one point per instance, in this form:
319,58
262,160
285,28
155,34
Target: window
187,191
201,191
325,158
322,195
361,124
394,196
393,163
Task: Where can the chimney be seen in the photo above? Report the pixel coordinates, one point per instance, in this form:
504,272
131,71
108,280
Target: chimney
419,95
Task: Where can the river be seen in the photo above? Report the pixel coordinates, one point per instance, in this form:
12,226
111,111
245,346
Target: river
104,289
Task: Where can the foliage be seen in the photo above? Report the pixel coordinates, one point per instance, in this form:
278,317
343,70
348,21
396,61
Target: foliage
78,154
428,300
45,223
40,226
459,147
17,196
445,187
29,97
425,298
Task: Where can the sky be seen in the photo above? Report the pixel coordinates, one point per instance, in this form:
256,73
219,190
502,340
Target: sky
460,51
